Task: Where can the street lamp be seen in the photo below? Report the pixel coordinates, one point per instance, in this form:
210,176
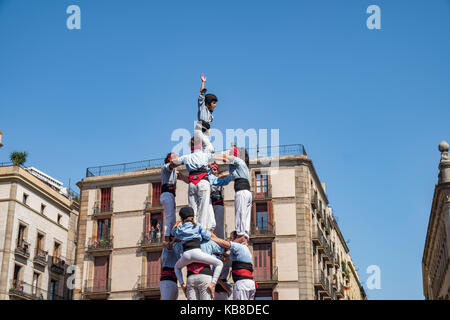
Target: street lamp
1,133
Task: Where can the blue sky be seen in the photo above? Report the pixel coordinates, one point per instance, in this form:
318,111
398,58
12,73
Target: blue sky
370,106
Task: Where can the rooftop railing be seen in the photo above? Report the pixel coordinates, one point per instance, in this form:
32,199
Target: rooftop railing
254,153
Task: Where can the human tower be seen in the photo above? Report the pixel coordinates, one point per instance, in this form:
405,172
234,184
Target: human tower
196,240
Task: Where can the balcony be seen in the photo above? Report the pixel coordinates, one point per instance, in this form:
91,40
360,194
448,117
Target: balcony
319,239
57,265
40,257
326,294
340,292
102,246
260,230
22,250
102,209
97,288
315,201
151,242
319,282
149,285
267,278
21,290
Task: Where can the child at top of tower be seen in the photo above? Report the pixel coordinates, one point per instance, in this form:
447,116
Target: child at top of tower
206,105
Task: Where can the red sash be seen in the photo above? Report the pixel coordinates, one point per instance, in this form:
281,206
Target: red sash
245,273
196,178
196,267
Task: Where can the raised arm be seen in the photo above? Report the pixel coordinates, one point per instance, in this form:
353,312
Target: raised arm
202,76
223,243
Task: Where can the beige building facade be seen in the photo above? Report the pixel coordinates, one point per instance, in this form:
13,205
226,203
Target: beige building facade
37,237
298,250
436,255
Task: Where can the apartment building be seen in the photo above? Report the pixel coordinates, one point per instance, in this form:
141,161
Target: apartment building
38,222
298,249
436,254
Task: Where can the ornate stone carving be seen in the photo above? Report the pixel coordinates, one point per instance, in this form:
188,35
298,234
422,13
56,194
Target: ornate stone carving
443,148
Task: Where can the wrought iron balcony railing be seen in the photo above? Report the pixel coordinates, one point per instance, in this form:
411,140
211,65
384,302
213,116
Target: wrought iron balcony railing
254,154
58,265
23,290
22,249
103,207
104,243
262,229
97,285
151,238
149,282
265,274
40,256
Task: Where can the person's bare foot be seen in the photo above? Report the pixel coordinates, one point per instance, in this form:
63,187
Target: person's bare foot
212,289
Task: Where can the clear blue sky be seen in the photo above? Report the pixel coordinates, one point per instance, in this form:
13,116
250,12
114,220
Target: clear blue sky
369,106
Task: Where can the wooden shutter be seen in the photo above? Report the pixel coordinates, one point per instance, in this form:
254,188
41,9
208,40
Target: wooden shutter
262,261
270,216
100,273
156,194
105,199
153,269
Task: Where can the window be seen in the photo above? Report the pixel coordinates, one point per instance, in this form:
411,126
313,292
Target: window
17,283
101,270
56,252
153,269
21,236
35,285
103,228
40,241
25,198
156,193
261,216
153,226
105,204
261,184
264,294
262,261
42,208
59,218
52,290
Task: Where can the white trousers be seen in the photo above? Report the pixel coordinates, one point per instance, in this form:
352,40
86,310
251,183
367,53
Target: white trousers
220,222
242,211
203,137
244,290
168,201
168,289
197,287
199,200
196,255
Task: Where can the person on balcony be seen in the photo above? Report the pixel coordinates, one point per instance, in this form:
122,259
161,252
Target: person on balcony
241,267
169,176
